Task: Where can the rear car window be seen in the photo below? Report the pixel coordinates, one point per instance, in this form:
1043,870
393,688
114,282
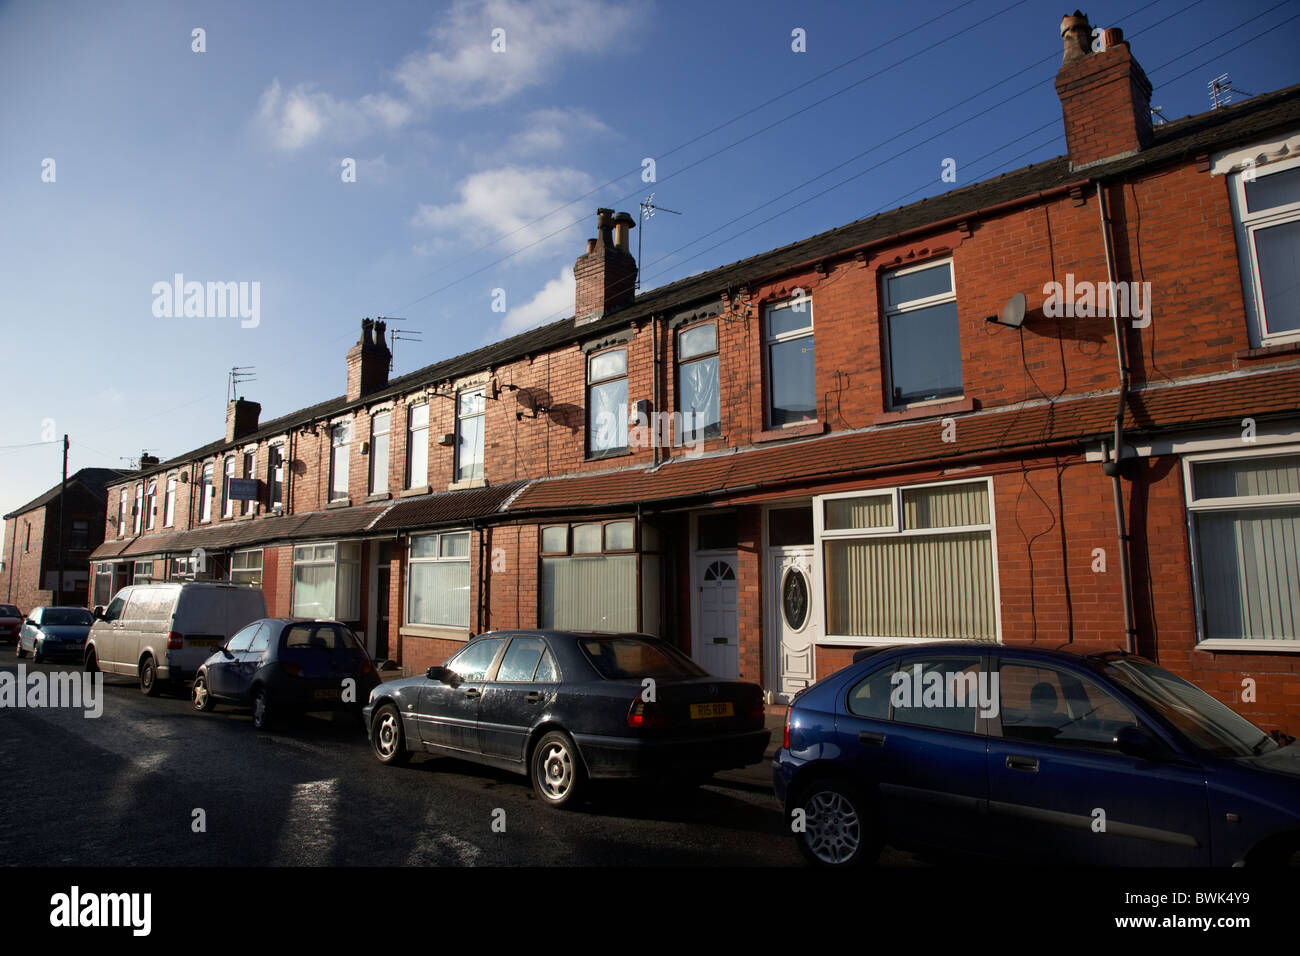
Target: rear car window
320,637
8,610
56,616
619,658
520,662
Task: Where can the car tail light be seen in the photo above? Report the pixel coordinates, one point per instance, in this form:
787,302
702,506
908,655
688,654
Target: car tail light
290,668
785,741
175,641
756,711
642,715
366,666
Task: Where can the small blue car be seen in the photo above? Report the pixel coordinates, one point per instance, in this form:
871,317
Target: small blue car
54,633
1030,754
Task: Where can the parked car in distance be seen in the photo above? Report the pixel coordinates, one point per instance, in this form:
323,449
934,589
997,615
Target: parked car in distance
276,665
1027,753
11,622
564,708
161,633
50,632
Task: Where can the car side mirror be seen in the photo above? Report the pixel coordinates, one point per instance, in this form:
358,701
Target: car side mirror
437,673
1136,742
98,612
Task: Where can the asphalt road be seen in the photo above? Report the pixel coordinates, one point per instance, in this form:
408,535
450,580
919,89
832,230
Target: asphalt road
123,789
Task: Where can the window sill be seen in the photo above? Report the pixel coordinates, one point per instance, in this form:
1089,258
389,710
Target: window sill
948,407
380,496
415,492
340,503
1219,645
604,456
1278,350
790,431
434,630
467,483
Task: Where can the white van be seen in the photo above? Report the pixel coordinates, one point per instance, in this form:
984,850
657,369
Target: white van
163,632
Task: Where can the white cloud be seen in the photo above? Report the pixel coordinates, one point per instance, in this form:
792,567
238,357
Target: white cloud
457,70
554,130
298,117
503,204
461,68
553,302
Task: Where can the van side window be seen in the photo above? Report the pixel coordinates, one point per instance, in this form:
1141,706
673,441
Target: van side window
114,610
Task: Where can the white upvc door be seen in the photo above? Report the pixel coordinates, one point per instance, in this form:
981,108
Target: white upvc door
791,623
717,631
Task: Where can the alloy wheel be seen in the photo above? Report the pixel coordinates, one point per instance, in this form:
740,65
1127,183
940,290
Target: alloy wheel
834,827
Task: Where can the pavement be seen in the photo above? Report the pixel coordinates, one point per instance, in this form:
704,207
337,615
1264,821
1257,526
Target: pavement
757,777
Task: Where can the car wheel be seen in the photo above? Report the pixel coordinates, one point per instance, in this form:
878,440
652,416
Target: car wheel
148,678
261,709
557,773
37,657
18,650
387,737
838,826
199,696
92,663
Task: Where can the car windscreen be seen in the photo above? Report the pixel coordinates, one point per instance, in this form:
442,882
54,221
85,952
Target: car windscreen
619,658
66,616
1211,726
8,610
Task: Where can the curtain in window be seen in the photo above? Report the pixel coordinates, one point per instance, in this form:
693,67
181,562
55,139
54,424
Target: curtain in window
700,398
1250,572
915,586
440,593
313,590
589,594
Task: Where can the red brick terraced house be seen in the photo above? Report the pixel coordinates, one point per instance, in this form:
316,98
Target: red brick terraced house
1060,407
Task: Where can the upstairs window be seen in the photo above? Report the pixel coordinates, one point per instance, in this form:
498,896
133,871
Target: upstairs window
139,509
417,446
340,444
697,382
246,505
169,502
922,333
80,536
275,476
228,473
791,371
607,403
121,515
470,405
150,504
205,494
1267,213
379,453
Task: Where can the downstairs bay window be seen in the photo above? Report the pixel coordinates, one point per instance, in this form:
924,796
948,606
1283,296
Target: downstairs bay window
1243,517
908,563
589,578
327,581
438,580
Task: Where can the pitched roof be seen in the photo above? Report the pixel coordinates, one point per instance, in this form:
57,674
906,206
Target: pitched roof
94,480
450,507
1172,142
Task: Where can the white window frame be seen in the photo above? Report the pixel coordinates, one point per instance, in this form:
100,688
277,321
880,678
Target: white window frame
122,500
379,477
438,559
594,383
464,393
151,504
136,577
338,561
137,519
890,309
769,340
821,535
169,501
691,434
417,450
339,452
1245,225
235,558
1193,507
275,461
206,491
227,473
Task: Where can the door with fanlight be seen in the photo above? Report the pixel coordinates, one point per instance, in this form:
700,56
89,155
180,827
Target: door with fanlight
717,634
791,629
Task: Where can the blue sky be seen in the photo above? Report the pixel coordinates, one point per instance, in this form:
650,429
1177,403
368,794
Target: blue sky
226,166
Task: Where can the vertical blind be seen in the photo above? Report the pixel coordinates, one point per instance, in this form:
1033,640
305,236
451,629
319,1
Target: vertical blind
590,593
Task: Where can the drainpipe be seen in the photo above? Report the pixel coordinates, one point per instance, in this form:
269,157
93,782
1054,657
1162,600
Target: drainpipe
654,374
1113,468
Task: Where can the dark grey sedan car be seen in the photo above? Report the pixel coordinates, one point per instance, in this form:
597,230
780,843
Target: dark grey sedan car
565,708
54,632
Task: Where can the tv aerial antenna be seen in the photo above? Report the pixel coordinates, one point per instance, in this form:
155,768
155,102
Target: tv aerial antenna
396,335
236,377
648,209
1221,90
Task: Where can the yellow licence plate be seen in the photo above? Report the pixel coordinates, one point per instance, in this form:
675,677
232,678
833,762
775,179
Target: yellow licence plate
327,693
699,711
202,641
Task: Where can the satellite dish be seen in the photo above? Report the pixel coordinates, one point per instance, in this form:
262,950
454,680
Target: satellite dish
1013,313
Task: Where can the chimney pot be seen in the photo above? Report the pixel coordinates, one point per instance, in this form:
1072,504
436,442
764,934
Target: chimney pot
1076,31
606,273
368,361
1105,96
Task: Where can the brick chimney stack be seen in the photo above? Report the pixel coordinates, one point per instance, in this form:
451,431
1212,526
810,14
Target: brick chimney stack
147,460
606,272
1105,96
368,360
241,418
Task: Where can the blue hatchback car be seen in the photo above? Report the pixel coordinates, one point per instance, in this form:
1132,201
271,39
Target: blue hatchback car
1048,756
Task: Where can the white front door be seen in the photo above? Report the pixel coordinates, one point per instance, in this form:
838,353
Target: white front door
790,618
717,631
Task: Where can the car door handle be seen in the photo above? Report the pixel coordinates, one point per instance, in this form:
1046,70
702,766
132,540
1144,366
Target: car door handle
868,737
473,692
1018,762
533,696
